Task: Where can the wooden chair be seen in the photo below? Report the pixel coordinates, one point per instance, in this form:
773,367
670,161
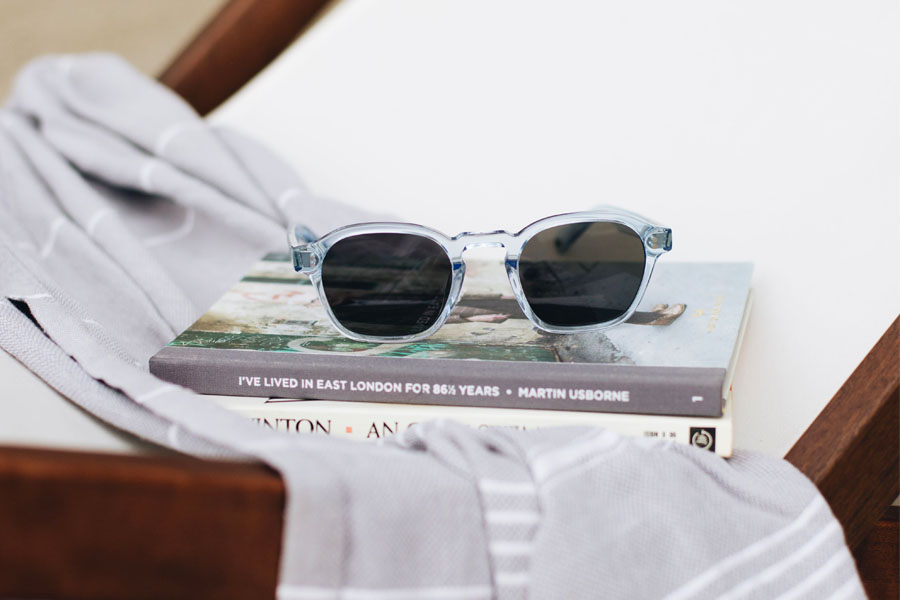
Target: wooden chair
91,525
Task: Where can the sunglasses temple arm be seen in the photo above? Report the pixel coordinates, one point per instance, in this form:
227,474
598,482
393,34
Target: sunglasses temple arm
299,235
629,213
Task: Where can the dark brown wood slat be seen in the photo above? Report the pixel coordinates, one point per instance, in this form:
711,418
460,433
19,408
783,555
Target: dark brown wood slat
68,529
851,451
244,37
878,557
98,526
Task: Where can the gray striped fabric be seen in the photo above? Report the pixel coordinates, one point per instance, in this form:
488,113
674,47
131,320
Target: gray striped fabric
123,215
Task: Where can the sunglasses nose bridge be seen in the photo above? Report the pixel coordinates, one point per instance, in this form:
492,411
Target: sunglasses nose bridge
484,239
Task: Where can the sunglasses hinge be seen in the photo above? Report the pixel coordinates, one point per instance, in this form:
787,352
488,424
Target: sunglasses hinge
660,239
305,258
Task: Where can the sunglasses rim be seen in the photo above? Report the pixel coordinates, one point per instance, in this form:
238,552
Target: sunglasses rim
309,256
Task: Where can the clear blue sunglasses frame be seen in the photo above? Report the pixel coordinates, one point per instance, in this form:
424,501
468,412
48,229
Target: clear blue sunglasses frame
308,254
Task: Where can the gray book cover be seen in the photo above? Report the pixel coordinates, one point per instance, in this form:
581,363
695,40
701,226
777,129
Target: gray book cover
269,336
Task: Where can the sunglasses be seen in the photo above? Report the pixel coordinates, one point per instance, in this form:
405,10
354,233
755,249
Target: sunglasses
398,282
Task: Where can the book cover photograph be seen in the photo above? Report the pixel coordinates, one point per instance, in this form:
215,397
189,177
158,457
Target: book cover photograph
269,336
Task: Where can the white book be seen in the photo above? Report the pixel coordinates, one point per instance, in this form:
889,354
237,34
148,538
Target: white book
375,420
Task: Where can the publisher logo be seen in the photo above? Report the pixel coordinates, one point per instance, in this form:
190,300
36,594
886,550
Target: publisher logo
704,437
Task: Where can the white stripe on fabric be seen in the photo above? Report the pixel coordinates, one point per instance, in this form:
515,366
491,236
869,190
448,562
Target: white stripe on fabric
163,389
302,592
96,218
511,517
31,296
753,550
55,226
773,571
511,548
290,194
172,435
509,579
170,236
291,592
833,563
508,488
846,590
551,463
268,442
145,176
558,477
172,131
541,449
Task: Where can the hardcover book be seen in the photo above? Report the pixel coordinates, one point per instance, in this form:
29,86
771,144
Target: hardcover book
374,421
269,336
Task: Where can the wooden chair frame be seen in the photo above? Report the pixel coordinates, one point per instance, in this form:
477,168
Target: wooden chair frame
90,525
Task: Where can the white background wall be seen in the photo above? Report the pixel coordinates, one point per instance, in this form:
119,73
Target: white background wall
763,131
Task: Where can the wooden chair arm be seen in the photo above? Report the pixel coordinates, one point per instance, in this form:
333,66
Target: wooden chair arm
239,41
851,451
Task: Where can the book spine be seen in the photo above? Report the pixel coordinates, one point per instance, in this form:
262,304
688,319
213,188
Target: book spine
632,389
369,421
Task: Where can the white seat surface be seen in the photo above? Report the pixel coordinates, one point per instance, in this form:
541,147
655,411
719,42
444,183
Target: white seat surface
33,414
764,131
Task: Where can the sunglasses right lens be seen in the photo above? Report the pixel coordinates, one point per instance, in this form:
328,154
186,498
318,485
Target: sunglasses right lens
387,284
582,273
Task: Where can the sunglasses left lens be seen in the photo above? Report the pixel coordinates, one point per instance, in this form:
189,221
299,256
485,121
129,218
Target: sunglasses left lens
582,273
386,284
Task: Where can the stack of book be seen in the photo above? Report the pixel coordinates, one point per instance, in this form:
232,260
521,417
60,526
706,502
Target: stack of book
267,350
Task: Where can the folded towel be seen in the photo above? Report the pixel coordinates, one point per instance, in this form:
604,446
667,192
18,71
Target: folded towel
123,215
